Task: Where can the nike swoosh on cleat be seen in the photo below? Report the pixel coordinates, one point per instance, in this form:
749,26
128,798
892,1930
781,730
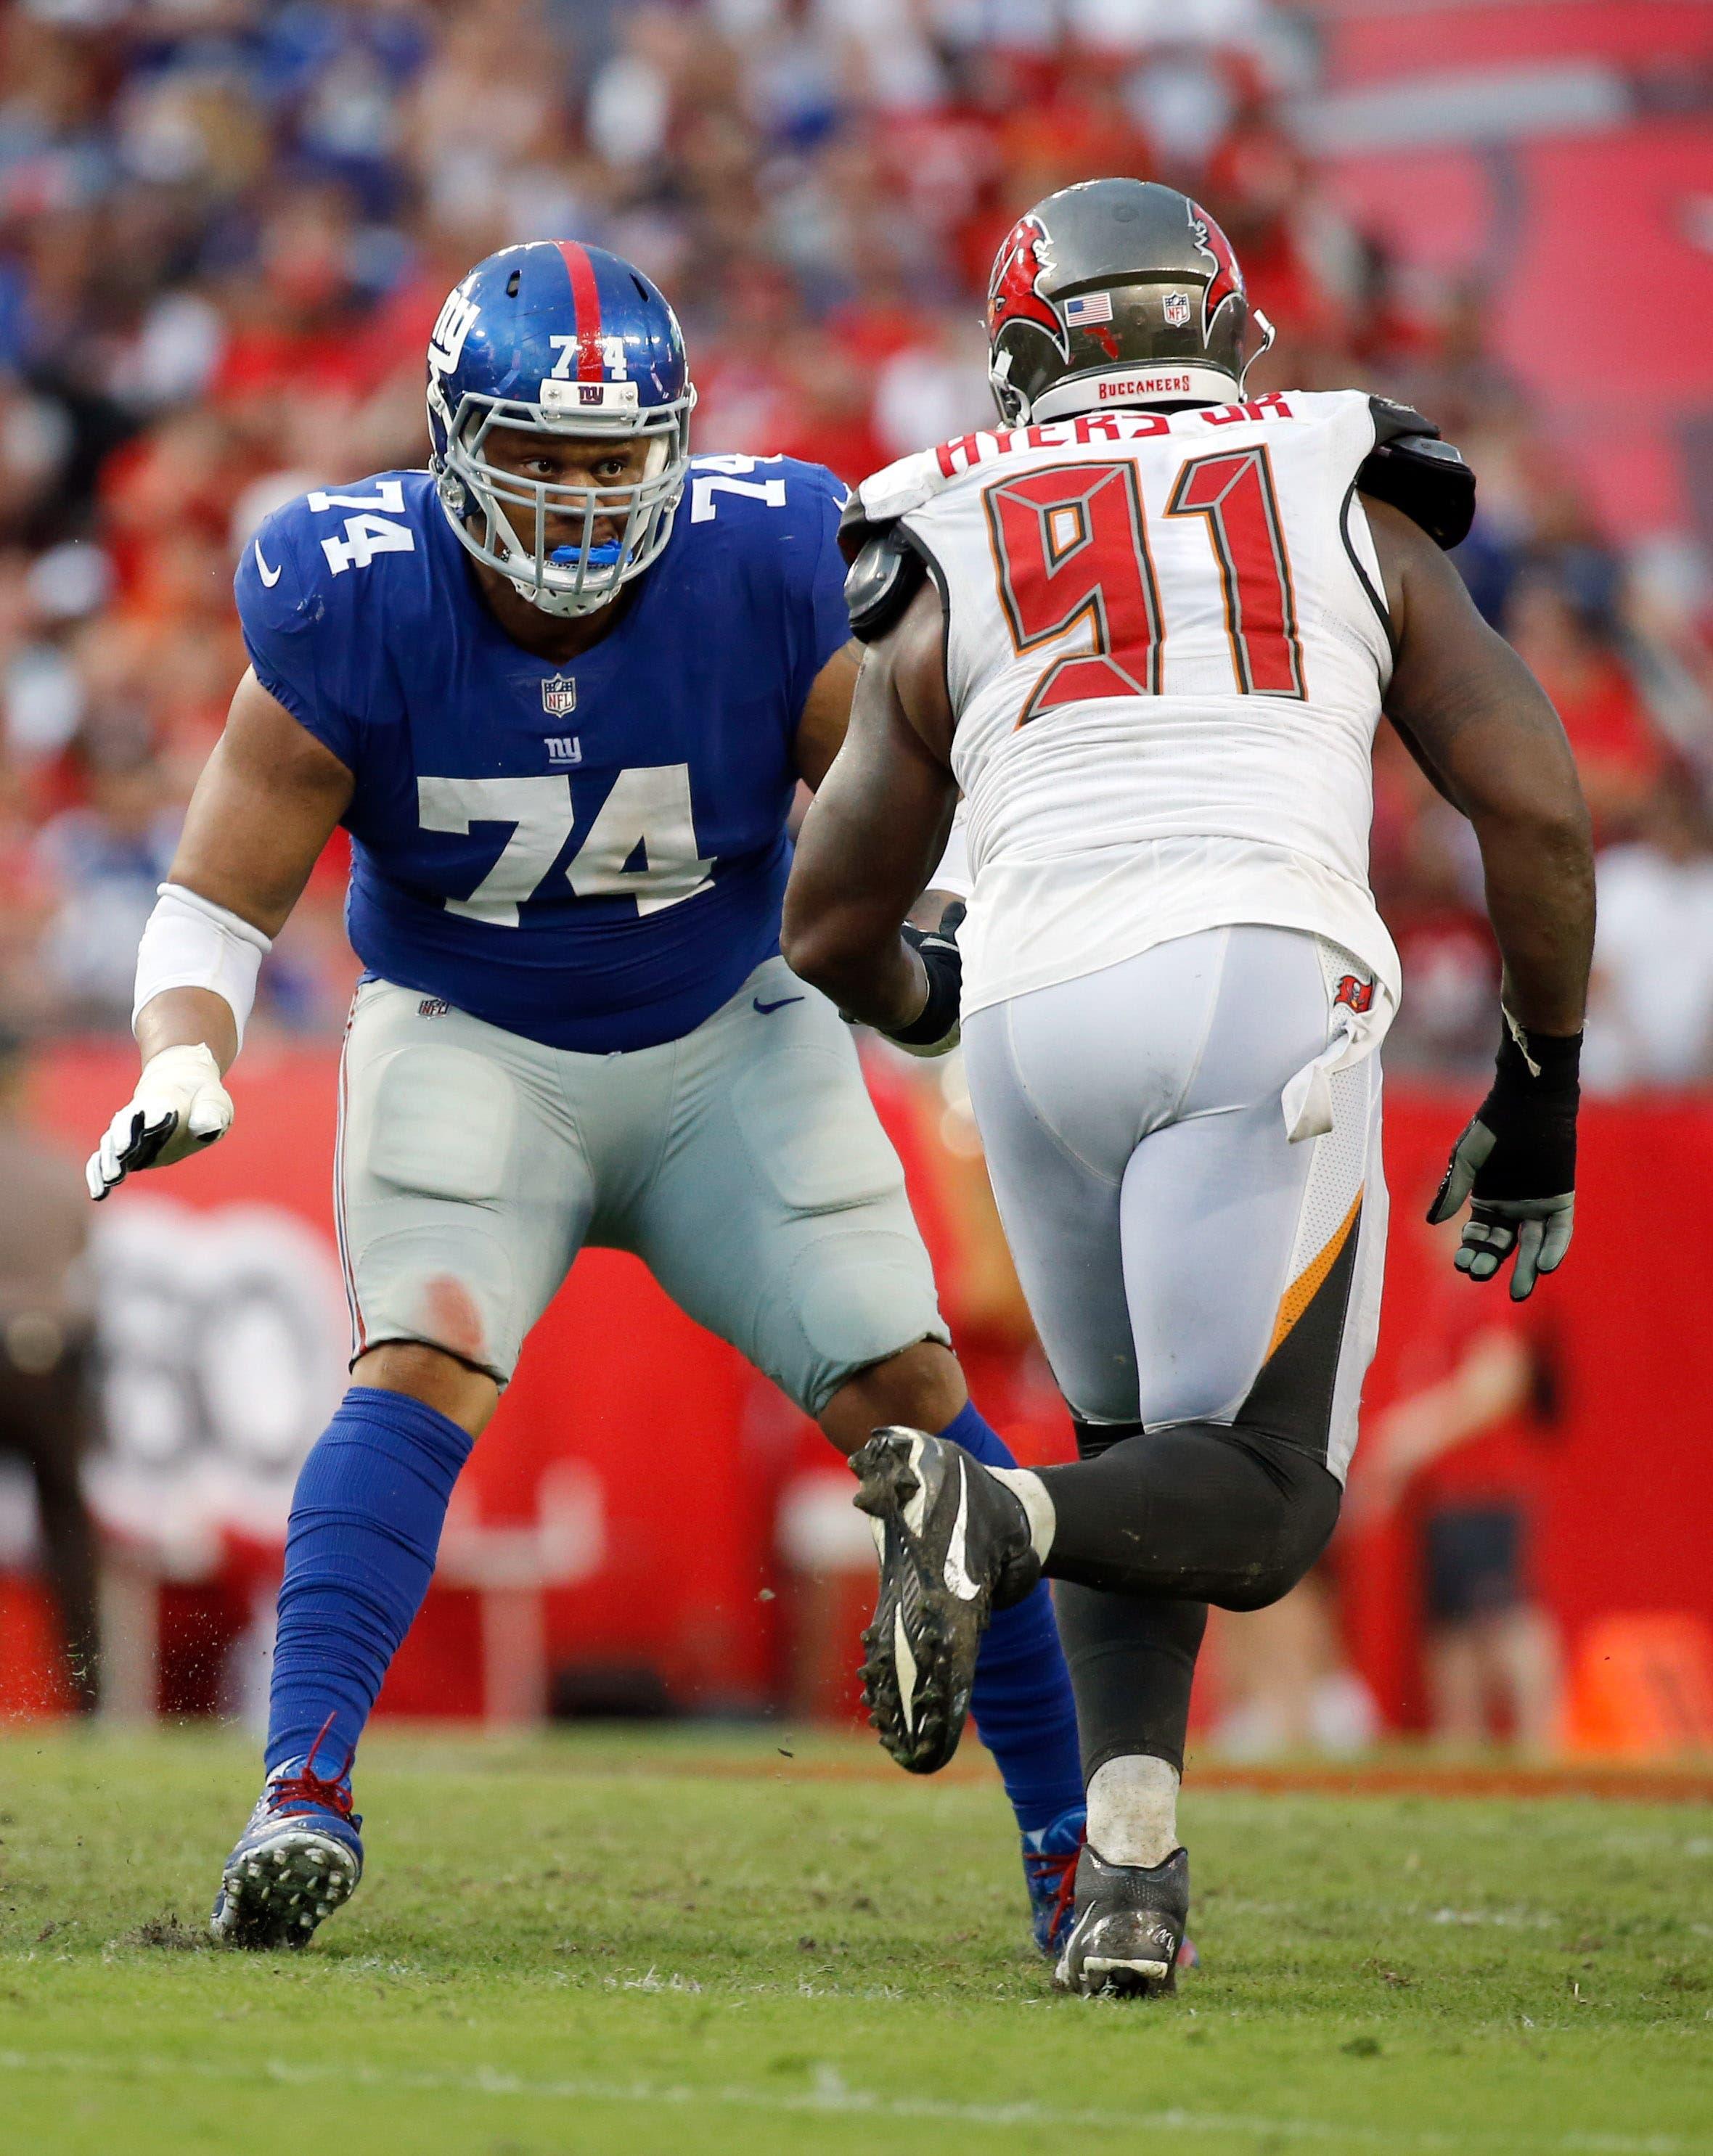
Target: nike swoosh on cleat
904,1665
765,1008
957,1574
270,577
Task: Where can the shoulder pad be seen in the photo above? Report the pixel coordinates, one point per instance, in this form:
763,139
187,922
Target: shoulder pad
885,573
1410,467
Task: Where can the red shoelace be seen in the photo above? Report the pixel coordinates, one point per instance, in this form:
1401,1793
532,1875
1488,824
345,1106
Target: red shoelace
308,1787
1043,1864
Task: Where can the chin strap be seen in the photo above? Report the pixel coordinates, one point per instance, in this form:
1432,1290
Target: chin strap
1269,337
1009,402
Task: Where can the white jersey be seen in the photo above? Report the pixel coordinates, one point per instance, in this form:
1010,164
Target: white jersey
1166,646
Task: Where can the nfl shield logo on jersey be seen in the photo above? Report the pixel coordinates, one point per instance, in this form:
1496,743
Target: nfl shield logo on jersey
558,695
1176,308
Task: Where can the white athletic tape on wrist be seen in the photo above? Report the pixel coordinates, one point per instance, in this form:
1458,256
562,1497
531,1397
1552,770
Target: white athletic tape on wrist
190,942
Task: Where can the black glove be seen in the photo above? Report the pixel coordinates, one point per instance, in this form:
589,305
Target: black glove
1516,1162
935,1030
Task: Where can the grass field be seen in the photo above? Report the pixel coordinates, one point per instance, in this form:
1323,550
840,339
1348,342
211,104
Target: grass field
662,1942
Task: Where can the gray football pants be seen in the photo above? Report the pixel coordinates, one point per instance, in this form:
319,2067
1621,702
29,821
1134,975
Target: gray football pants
743,1164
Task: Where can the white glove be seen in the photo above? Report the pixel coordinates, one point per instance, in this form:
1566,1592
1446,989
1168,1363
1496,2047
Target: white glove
179,1106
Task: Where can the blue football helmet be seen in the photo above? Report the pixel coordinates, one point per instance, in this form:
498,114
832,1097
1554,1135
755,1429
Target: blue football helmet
557,338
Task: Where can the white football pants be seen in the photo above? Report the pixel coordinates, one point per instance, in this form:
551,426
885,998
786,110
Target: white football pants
1182,1258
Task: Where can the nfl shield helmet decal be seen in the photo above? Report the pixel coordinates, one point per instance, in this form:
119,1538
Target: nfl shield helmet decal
559,696
1176,309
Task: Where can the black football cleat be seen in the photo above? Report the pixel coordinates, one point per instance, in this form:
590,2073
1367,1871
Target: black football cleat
1127,1928
954,1546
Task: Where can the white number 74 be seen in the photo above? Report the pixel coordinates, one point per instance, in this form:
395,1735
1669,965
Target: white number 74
648,809
366,534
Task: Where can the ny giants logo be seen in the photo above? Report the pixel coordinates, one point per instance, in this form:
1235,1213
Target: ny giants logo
457,318
1014,293
1227,282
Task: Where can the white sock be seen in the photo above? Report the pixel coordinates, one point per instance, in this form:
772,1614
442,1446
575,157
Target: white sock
1133,1810
1031,1493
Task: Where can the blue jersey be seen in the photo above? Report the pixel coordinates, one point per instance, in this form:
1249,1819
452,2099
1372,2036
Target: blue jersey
593,854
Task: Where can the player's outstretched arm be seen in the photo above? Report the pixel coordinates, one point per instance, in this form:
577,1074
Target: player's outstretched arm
871,840
266,805
1482,729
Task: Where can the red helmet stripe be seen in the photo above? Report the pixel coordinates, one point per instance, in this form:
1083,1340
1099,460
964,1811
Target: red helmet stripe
586,298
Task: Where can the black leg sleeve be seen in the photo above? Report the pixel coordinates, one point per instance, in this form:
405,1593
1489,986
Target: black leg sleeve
1132,1659
1193,1512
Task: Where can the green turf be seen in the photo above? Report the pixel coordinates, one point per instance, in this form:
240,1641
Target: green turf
591,1944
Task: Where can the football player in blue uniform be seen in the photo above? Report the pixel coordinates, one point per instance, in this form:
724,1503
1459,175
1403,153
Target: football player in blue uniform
559,687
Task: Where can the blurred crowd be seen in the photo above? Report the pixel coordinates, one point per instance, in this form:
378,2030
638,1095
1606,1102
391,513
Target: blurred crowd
226,228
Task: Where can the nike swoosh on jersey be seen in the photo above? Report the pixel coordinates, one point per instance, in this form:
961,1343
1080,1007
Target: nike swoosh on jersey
765,1008
957,1573
269,577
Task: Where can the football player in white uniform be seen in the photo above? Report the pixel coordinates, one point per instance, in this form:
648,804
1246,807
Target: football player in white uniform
1147,630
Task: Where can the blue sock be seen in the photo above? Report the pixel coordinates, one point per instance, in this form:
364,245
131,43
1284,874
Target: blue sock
366,1521
1022,1701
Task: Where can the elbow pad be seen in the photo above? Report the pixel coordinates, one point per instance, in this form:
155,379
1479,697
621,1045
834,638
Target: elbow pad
885,574
190,942
1411,467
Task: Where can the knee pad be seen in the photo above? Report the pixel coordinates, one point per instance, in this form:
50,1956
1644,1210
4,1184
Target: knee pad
1307,1498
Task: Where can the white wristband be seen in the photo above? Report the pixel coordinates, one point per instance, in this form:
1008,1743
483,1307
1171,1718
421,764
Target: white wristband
190,942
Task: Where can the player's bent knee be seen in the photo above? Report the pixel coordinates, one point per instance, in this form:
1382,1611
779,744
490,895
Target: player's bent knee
854,1298
454,1388
443,1280
921,1386
1307,1498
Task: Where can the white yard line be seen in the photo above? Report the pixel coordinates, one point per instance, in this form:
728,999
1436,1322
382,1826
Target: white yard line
830,2097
